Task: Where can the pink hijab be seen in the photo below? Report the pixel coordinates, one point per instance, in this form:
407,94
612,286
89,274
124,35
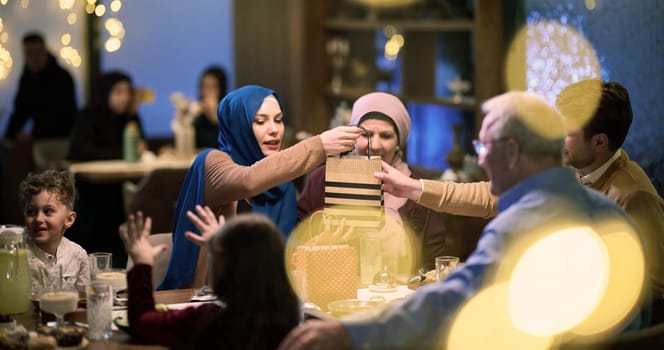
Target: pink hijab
392,107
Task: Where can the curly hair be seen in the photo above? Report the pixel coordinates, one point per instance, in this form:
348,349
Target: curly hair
58,182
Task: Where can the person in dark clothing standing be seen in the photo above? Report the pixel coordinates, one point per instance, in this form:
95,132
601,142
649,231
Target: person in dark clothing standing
45,94
99,127
211,89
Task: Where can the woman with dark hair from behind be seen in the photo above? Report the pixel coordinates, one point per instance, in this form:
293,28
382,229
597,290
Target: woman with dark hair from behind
257,306
211,89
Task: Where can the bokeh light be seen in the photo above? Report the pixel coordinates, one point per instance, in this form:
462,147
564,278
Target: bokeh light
65,39
66,4
114,27
71,18
6,62
322,252
558,282
484,323
4,37
112,44
89,8
116,5
25,4
3,2
546,56
100,10
591,4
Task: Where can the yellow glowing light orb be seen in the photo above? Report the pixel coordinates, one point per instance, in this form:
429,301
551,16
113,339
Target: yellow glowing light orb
71,18
324,252
66,52
1,25
112,44
3,2
25,3
114,27
399,39
89,8
591,4
66,4
625,285
546,56
392,48
4,37
558,282
100,10
91,2
76,61
484,323
116,5
65,39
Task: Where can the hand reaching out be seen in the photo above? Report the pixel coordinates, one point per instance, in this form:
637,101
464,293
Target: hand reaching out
340,139
135,238
207,224
399,184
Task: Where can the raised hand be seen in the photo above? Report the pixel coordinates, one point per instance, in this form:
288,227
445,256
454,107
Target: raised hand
135,234
207,224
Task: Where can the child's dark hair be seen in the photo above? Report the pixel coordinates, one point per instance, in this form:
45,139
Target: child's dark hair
249,276
58,182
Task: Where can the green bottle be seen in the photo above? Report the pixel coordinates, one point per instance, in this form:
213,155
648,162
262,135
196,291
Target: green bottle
130,142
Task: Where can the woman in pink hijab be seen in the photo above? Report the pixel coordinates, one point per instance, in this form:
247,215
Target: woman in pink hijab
387,125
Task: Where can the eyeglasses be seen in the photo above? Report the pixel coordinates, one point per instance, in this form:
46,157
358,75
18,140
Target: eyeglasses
480,147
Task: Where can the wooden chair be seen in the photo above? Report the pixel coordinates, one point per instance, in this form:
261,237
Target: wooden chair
155,195
161,261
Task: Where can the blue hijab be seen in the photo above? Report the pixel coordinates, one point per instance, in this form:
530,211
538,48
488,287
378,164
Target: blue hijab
236,137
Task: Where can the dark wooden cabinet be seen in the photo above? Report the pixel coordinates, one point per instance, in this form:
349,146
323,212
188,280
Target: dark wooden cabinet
282,44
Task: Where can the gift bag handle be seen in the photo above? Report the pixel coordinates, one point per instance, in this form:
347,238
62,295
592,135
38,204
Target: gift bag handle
368,142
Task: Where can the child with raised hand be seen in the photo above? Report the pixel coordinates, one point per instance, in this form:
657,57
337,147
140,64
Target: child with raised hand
48,199
257,306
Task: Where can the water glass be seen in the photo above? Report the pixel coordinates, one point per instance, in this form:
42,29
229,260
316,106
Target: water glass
370,259
99,304
100,262
445,265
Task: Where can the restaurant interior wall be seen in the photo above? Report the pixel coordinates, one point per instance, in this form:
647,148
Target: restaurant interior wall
628,37
166,47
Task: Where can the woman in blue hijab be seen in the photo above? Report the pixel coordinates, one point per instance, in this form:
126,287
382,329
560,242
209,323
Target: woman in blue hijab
248,173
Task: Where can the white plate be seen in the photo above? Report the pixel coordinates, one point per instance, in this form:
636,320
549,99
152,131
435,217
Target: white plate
378,289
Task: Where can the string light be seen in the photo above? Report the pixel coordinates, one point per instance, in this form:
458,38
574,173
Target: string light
65,39
112,44
100,10
116,5
3,2
66,4
71,19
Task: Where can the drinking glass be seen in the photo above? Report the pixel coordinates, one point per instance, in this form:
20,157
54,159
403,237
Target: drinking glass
58,301
370,259
99,305
445,265
116,278
100,262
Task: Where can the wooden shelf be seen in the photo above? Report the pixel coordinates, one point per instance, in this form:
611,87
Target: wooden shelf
403,25
467,103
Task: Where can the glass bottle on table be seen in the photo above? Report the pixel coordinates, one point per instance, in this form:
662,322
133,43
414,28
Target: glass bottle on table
15,285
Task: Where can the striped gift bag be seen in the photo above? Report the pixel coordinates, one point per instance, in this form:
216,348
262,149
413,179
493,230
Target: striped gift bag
352,192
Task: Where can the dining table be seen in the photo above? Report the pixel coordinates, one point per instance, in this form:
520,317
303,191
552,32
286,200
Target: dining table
118,170
118,340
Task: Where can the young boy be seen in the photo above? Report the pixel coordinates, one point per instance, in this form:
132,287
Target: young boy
49,202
